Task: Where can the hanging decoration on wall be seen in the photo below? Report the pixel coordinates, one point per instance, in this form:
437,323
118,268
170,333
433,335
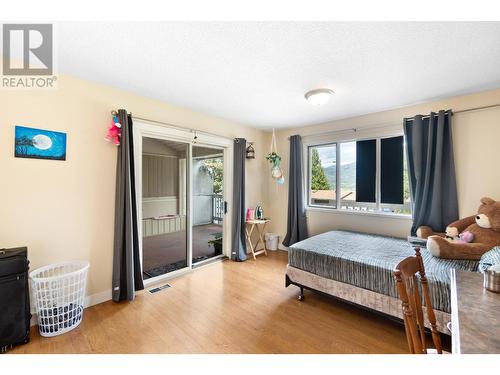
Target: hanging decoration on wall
39,144
275,160
114,130
250,153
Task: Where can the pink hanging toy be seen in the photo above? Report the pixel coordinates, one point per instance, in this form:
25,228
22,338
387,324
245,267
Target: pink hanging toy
114,131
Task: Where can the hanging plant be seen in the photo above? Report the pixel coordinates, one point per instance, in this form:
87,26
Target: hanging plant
273,158
275,161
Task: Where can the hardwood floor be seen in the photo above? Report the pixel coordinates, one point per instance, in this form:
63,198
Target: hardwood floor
227,307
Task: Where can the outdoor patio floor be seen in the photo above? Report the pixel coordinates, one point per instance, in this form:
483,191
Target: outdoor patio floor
171,247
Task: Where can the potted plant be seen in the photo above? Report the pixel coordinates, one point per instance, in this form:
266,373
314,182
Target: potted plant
276,171
216,242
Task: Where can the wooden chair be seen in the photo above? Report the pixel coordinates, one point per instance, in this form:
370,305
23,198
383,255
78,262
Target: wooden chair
405,274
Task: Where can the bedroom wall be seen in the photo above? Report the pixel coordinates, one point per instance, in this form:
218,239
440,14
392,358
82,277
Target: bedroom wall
64,210
476,138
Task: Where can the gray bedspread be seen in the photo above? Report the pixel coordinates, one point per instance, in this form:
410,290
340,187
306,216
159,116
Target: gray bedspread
367,261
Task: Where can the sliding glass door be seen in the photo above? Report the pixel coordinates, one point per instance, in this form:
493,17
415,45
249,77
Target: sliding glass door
182,185
209,207
164,206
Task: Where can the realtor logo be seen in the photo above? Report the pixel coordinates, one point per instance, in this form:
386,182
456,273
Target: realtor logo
28,56
27,49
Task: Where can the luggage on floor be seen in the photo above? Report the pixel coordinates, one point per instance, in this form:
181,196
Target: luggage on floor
14,298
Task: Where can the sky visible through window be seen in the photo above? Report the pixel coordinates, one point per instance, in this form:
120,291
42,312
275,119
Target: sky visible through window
328,155
327,158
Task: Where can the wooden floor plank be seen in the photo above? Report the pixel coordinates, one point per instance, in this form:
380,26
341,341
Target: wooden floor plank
227,307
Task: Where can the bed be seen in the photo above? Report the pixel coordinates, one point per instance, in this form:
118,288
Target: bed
357,268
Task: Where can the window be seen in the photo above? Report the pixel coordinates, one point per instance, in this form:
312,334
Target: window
372,176
358,175
323,175
396,207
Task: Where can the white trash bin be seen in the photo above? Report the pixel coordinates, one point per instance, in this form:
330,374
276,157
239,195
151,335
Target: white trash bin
272,240
58,291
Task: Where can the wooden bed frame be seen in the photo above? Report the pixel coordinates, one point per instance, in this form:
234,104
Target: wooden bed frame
376,302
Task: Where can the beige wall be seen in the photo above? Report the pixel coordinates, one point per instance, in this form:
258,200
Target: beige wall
477,152
63,210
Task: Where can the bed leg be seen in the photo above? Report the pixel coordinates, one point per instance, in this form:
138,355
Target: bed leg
287,281
301,296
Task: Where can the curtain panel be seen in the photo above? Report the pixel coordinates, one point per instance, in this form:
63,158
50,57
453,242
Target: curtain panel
239,243
431,170
296,228
127,275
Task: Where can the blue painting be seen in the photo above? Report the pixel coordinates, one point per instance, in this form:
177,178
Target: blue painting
39,144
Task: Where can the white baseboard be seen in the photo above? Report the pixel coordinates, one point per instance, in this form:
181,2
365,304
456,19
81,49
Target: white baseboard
97,298
93,299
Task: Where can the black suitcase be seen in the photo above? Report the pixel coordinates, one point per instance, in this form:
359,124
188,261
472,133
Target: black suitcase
15,313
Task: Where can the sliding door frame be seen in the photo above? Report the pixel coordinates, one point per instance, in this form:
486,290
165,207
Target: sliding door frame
147,129
217,151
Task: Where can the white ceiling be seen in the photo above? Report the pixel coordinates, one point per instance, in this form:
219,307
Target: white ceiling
257,73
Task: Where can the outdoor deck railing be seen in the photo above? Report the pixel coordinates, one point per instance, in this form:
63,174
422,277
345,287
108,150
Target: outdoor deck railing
217,208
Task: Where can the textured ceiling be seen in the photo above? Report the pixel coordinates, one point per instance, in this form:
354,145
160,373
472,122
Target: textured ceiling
257,73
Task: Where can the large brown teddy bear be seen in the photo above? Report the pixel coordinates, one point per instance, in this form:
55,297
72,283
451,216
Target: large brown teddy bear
483,230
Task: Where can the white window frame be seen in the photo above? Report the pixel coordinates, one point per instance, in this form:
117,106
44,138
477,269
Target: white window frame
344,136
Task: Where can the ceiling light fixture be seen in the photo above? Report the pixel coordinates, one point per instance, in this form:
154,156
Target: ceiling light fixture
318,97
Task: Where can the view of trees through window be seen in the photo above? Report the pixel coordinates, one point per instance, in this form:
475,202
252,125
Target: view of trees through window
215,168
319,181
323,175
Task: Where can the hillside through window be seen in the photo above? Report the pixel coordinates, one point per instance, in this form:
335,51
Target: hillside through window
347,174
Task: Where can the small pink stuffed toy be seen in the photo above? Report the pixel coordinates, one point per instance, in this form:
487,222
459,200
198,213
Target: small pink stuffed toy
114,131
466,237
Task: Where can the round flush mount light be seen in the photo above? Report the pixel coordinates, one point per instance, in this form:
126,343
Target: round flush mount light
318,97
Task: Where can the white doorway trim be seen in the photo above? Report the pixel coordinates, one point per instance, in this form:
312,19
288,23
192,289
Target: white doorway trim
143,129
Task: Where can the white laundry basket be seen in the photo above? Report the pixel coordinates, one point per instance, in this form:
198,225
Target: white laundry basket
59,292
272,240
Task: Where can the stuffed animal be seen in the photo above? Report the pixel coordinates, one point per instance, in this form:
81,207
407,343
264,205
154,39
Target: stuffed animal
465,237
114,131
468,238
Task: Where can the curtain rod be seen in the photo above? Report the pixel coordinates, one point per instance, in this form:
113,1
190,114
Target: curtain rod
463,110
407,118
354,130
173,126
435,114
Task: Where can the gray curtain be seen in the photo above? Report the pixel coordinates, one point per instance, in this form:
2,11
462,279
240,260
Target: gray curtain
296,228
431,170
239,243
127,277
